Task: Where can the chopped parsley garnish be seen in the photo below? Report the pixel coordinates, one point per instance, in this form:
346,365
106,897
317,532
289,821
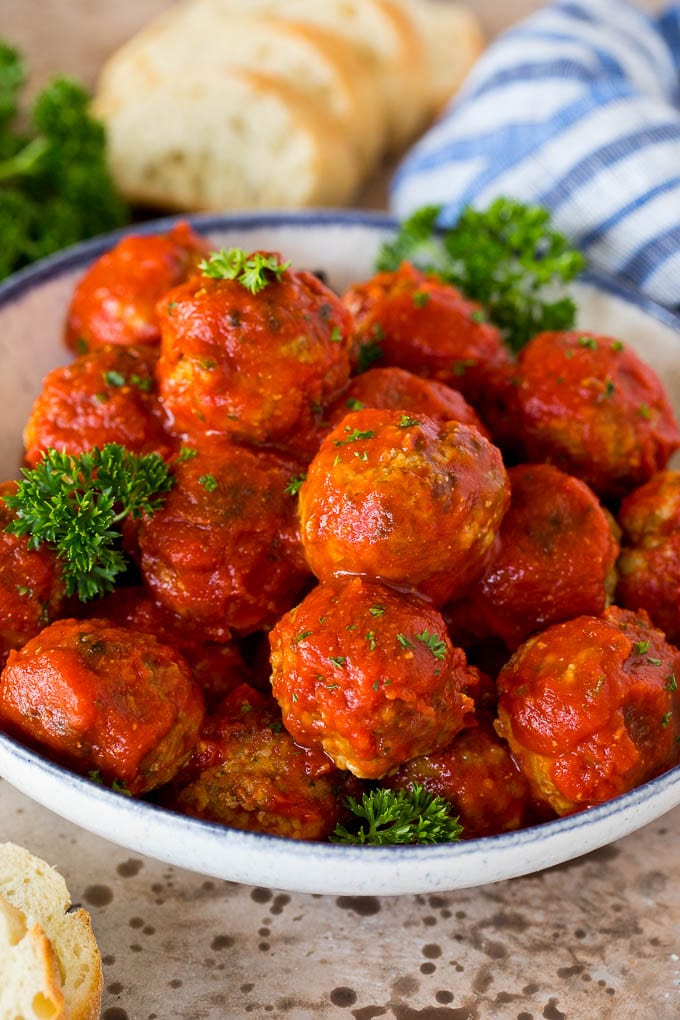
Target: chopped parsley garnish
254,272
75,504
435,645
209,482
294,485
388,817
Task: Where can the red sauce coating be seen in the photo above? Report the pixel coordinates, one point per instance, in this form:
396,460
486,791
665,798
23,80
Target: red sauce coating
417,322
247,771
217,667
106,396
224,551
368,675
411,501
31,587
403,391
590,708
260,368
115,300
478,776
649,565
102,698
589,404
556,559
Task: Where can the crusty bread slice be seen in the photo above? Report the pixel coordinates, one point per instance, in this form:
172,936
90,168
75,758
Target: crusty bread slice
225,140
307,58
452,38
384,37
30,986
39,893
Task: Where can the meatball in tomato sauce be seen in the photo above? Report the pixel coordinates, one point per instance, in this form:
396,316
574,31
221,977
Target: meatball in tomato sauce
246,771
32,592
588,404
106,396
223,553
368,675
478,776
649,565
556,559
257,367
103,699
417,322
403,391
590,708
408,500
115,301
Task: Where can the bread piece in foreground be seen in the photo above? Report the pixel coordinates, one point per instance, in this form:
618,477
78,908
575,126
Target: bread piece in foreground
39,893
30,986
226,140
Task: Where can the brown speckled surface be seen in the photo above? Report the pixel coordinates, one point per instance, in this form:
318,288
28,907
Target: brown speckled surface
594,939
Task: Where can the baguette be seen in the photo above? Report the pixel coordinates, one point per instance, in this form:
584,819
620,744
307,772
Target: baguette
303,57
452,38
30,986
226,140
65,967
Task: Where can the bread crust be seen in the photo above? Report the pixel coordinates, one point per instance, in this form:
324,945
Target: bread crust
29,973
38,892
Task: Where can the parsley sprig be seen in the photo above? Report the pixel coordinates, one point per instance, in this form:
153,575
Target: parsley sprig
75,504
507,257
254,272
390,817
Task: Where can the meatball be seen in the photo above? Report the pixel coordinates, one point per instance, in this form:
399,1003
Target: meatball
478,776
217,667
259,368
416,321
368,675
402,391
414,502
649,565
224,550
592,407
590,708
104,699
31,587
246,771
556,559
115,301
106,396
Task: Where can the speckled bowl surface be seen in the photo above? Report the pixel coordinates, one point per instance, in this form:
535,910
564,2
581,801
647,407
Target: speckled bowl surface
32,307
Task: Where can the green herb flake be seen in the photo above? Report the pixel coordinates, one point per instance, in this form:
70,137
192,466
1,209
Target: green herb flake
336,335
654,662
407,422
420,298
588,341
644,411
338,660
209,482
143,383
435,645
377,609
186,453
370,352
641,647
113,378
617,346
371,638
389,817
671,682
666,719
294,485
355,436
404,641
301,636
352,404
477,316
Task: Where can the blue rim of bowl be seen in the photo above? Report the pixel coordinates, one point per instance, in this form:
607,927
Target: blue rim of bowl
79,255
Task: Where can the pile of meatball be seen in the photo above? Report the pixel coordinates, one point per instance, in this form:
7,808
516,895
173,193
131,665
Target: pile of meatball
393,553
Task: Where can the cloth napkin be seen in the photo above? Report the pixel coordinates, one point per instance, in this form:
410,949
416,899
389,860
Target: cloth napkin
577,108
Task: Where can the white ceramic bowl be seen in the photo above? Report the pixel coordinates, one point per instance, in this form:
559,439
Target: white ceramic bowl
32,306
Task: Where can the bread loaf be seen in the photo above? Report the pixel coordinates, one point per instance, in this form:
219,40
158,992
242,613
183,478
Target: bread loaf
226,140
49,958
303,57
247,104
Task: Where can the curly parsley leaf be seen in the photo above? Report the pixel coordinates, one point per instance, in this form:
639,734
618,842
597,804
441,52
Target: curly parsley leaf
388,817
75,504
254,272
55,186
507,257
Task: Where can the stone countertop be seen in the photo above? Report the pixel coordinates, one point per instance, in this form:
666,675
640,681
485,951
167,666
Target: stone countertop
593,939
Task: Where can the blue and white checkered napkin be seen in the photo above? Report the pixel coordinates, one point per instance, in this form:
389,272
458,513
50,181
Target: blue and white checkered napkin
577,109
